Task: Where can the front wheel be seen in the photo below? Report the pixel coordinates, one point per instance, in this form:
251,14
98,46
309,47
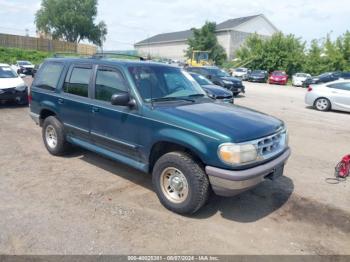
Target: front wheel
180,183
322,104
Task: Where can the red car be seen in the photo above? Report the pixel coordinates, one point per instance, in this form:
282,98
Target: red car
278,77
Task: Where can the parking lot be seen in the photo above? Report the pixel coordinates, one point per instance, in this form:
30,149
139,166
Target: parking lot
86,204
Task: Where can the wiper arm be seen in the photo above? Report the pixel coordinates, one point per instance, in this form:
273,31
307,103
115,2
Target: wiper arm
197,95
160,99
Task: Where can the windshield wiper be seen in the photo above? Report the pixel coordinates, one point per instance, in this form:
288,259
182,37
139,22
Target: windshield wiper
161,99
196,95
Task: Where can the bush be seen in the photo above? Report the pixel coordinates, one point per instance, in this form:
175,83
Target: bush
11,55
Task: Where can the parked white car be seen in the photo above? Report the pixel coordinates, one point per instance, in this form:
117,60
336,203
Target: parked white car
24,67
241,73
333,95
299,78
12,86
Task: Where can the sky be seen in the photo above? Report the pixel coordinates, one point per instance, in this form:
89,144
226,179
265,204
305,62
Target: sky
130,21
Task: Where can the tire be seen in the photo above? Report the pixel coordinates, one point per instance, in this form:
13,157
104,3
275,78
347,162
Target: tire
236,93
179,165
322,104
54,136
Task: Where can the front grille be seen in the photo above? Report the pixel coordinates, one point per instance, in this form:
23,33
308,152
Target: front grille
271,145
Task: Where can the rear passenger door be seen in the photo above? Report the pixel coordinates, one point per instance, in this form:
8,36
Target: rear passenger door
75,104
114,128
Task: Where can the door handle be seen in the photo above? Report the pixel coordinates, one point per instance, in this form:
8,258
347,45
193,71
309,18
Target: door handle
95,109
60,101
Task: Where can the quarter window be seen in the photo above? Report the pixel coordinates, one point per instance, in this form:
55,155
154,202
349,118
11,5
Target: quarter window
108,83
78,84
49,76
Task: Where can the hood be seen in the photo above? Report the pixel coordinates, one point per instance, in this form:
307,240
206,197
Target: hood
217,91
278,77
10,82
257,75
235,123
231,78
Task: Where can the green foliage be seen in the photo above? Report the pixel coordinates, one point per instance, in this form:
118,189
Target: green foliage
204,39
280,52
11,55
286,52
70,20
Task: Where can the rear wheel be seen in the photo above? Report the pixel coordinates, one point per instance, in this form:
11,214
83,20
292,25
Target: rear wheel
54,136
180,183
322,104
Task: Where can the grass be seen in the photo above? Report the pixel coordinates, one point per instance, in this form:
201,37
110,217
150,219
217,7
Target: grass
11,55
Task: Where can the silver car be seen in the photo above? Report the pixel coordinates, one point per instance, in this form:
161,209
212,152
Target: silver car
333,95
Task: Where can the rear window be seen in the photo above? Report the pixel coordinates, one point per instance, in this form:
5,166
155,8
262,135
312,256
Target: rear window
49,76
7,72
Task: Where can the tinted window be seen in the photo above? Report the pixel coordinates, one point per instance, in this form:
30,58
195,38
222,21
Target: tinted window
78,83
346,75
341,86
49,76
109,82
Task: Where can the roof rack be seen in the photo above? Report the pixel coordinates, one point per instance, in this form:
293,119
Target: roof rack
100,55
69,54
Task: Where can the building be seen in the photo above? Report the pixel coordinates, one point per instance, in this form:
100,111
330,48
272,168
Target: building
230,34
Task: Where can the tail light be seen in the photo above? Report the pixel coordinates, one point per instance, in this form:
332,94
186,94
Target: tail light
29,94
309,89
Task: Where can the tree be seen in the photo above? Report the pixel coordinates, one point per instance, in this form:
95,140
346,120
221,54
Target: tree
72,21
204,39
279,52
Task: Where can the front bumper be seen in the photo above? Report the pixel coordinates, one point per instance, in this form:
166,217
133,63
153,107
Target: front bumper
229,182
11,94
259,80
276,81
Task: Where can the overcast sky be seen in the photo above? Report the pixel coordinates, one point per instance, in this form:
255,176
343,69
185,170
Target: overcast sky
130,21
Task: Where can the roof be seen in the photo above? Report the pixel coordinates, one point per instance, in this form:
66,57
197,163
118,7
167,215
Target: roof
184,35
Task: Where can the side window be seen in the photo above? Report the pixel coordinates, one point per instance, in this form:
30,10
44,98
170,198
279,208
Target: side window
109,82
49,76
78,84
341,86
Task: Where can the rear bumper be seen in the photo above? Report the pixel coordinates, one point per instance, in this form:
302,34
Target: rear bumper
229,182
279,82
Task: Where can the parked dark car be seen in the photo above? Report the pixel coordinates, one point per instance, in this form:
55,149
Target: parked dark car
155,118
220,78
326,77
214,91
258,76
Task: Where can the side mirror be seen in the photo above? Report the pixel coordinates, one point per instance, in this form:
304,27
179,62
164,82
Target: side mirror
123,99
209,77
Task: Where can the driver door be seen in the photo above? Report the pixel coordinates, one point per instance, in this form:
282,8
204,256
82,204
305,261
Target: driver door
113,127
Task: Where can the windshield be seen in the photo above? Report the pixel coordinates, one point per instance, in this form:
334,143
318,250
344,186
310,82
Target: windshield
218,72
161,82
201,79
278,73
22,63
7,72
241,70
301,75
258,72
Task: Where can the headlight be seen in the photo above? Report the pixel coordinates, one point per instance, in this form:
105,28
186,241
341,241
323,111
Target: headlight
234,154
227,82
21,88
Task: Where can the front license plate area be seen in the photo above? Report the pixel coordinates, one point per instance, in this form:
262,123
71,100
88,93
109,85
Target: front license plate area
276,173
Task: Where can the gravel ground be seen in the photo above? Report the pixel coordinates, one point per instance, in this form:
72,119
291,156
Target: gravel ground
86,204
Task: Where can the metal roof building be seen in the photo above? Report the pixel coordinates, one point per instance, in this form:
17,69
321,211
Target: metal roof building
230,34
